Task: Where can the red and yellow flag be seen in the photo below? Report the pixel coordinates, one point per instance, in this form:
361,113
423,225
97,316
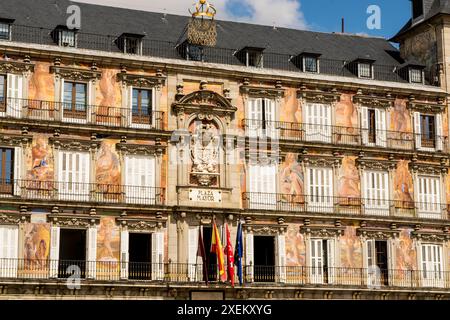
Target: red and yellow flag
216,247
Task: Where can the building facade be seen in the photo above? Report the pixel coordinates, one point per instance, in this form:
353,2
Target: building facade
119,142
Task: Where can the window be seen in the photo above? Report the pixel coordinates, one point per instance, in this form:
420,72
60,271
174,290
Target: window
73,175
142,106
417,8
140,179
376,192
195,53
319,182
310,64
318,122
428,131
365,70
5,31
2,93
262,117
262,186
373,127
377,263
6,170
130,44
321,261
254,58
14,95
9,251
432,265
75,100
429,191
67,38
415,75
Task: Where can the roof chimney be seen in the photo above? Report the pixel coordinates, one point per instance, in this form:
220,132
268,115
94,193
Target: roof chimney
343,25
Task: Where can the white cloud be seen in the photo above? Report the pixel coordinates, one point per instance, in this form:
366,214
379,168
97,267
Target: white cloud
282,13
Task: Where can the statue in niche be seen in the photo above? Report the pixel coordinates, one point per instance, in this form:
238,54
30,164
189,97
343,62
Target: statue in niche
205,152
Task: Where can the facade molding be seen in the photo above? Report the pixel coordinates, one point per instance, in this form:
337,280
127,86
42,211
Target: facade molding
142,81
16,67
74,144
319,96
374,101
76,74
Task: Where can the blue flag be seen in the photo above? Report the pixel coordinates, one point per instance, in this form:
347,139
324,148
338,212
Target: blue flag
238,253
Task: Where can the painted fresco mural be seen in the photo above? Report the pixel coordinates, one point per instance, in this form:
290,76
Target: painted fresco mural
109,98
295,247
421,47
108,247
349,185
292,114
108,170
351,249
40,175
346,120
291,180
42,83
36,248
405,251
403,188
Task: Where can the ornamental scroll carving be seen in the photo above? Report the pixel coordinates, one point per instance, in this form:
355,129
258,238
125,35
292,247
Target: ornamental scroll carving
76,74
17,67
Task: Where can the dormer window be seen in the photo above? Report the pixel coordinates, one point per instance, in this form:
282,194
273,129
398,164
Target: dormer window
65,37
307,62
415,75
251,57
417,8
5,30
130,43
412,71
365,69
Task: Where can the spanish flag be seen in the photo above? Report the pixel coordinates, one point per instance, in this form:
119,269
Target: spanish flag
216,247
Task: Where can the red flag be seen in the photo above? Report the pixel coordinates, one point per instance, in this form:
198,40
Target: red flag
230,257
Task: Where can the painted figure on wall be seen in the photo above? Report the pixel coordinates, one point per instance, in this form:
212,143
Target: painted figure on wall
108,241
349,181
291,179
295,247
403,185
42,83
40,163
406,255
108,172
346,120
401,119
109,98
351,249
36,246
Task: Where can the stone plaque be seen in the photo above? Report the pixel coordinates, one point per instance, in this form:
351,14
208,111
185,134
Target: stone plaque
205,195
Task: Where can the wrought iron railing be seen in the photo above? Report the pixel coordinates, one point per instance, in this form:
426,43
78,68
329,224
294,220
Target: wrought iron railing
82,192
372,277
81,113
343,205
339,135
172,50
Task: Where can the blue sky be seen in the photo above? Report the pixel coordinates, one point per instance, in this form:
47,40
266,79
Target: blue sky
317,15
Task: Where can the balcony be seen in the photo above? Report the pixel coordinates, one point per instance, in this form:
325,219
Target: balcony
343,205
80,114
228,56
165,273
81,192
345,136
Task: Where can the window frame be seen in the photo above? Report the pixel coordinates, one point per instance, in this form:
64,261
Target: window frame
432,281
415,5
4,93
8,27
411,77
125,45
360,69
257,54
316,63
61,37
73,112
427,208
5,187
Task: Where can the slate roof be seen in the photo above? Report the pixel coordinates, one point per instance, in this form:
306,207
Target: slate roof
113,21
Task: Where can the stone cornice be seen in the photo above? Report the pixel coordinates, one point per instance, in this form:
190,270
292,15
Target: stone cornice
320,160
73,144
12,219
374,101
322,231
421,106
154,150
139,80
430,236
319,96
75,221
204,102
377,234
262,92
375,164
141,224
428,168
266,229
17,67
14,140
76,74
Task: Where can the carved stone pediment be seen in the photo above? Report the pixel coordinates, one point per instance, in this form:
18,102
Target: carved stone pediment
266,229
139,149
204,102
374,101
77,221
377,234
73,144
322,231
142,81
422,106
262,92
430,236
321,160
76,74
16,67
12,219
375,164
14,140
143,225
318,96
428,168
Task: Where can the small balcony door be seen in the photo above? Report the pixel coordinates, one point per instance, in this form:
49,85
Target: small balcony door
9,247
140,179
261,122
75,102
262,186
429,192
377,263
73,176
373,127
321,266
318,122
376,193
319,183
141,108
432,266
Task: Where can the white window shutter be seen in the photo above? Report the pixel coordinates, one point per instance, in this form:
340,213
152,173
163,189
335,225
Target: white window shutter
439,133
365,125
14,95
316,261
417,130
380,123
9,249
92,253
331,260
158,256
17,183
249,260
124,254
192,253
54,251
281,264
